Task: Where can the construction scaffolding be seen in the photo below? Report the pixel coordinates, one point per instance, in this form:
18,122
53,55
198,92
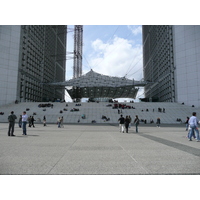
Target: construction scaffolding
78,45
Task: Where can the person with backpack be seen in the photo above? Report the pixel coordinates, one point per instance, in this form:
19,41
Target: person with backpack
11,119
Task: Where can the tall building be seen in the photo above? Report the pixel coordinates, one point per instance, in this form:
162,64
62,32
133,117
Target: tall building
171,59
31,55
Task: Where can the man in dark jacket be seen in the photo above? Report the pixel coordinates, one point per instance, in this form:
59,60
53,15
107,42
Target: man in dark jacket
11,119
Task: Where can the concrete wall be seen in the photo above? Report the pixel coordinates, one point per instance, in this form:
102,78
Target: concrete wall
187,63
9,59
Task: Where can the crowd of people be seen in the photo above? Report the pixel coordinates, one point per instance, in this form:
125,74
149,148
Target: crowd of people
161,110
74,109
124,122
122,106
43,105
24,119
191,125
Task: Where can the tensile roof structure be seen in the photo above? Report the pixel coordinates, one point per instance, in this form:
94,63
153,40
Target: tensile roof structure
95,85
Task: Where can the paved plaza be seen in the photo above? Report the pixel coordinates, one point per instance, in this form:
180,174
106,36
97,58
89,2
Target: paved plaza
98,150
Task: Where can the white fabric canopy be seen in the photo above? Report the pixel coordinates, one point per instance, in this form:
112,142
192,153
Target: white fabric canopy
94,79
95,85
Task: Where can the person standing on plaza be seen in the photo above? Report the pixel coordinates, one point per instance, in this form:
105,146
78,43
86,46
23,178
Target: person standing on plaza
29,121
126,122
44,121
121,123
158,122
20,121
193,122
186,123
130,119
136,122
24,122
11,119
59,122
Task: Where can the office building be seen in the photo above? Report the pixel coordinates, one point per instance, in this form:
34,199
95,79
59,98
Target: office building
29,56
171,59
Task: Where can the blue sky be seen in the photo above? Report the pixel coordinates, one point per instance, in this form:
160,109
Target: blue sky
114,50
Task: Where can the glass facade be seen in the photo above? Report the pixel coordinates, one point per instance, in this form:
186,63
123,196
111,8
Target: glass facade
40,57
171,56
158,59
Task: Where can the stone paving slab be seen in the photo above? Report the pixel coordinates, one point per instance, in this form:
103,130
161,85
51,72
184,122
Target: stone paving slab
98,150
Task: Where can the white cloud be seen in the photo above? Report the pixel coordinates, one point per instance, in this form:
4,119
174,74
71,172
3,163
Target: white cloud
98,45
136,29
120,57
117,57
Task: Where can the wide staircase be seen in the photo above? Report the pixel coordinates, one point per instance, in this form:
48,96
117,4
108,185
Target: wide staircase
167,112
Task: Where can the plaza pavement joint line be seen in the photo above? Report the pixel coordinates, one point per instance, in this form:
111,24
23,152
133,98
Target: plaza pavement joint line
182,147
64,153
129,154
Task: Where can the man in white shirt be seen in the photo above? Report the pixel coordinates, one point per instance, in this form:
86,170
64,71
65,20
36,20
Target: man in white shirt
193,122
24,122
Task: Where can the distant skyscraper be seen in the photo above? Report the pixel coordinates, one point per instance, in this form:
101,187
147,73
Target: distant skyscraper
171,58
30,55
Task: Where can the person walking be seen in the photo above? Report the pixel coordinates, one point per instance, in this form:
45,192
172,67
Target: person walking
11,119
136,122
193,122
193,134
188,129
24,122
126,122
32,121
186,123
121,124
